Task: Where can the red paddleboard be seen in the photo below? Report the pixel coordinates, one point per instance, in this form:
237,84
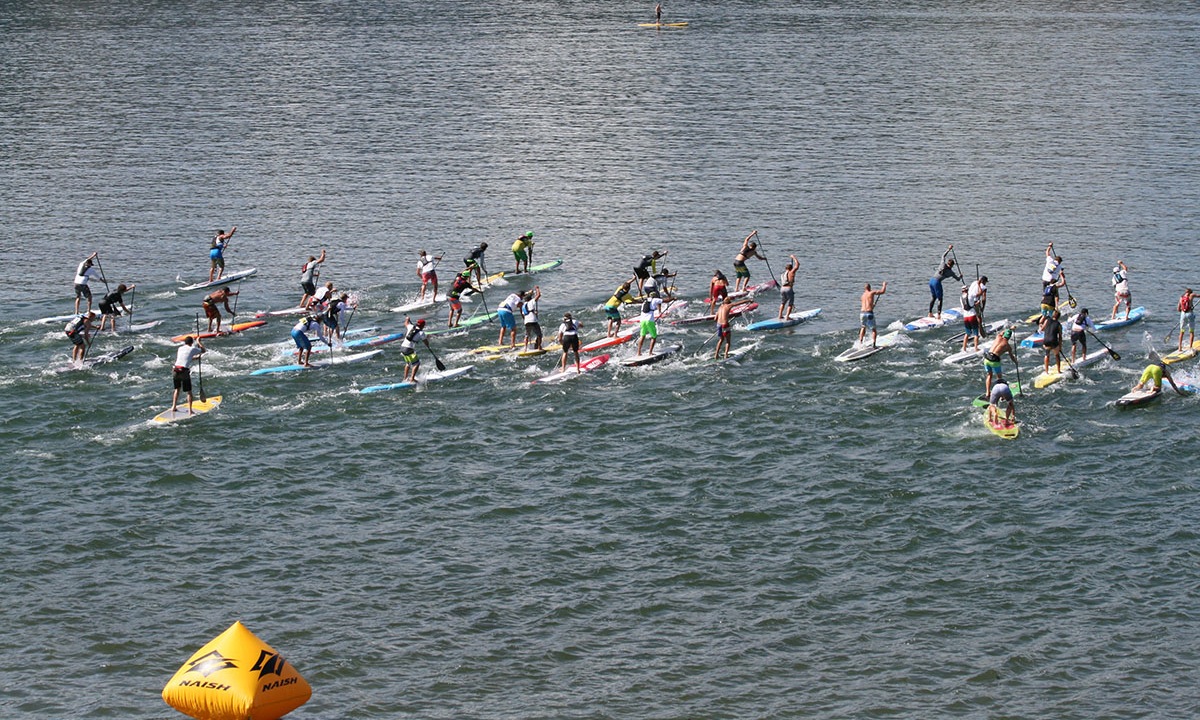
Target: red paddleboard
235,328
622,337
570,372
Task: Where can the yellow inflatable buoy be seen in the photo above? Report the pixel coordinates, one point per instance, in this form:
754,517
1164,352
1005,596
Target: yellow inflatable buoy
236,676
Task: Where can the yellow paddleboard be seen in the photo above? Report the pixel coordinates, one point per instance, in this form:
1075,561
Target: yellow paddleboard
663,25
1001,427
181,412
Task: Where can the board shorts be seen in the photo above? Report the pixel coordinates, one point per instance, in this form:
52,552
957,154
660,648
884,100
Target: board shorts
83,291
1152,372
109,309
787,296
1187,321
428,277
534,330
211,312
1048,349
309,287
1047,310
867,320
506,318
77,338
181,379
521,255
1000,392
455,303
217,262
569,343
741,271
301,340
991,363
1080,337
330,322
410,357
723,330
640,272
971,325
649,329
613,312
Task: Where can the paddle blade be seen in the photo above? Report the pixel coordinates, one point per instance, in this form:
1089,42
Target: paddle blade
441,366
1113,354
1071,302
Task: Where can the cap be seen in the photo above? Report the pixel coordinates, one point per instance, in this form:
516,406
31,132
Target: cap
421,322
529,234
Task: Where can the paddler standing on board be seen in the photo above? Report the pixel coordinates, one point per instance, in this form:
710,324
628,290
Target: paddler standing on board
462,281
309,272
1079,327
741,271
568,337
1120,283
787,288
211,309
427,272
644,269
83,275
1187,317
474,261
724,328
181,372
216,254
971,324
79,329
522,250
108,305
866,317
945,270
506,312
991,359
718,289
977,296
649,328
658,14
1051,329
413,334
300,331
1050,296
1053,268
1001,392
612,308
529,310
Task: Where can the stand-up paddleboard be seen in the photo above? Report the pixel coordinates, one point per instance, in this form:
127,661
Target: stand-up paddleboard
493,349
948,316
789,321
520,352
988,329
737,310
1046,379
139,327
423,379
1135,398
278,313
235,328
181,412
319,347
1036,318
478,319
752,290
1000,426
324,362
97,360
416,305
57,319
652,358
735,355
963,356
663,25
982,400
606,342
232,277
533,270
1185,354
858,352
1033,341
1121,321
586,366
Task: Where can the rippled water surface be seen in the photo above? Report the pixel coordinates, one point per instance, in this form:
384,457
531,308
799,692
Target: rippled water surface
787,537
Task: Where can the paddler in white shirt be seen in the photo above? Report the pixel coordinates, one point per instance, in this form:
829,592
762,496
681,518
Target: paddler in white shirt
650,312
568,337
1080,324
506,313
181,372
84,274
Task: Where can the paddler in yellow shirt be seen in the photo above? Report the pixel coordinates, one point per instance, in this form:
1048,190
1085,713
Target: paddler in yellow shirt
522,250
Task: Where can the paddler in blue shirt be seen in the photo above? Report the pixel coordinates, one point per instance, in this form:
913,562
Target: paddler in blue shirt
216,254
945,270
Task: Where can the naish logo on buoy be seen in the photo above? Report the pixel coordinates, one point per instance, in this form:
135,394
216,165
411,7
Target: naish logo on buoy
269,663
211,663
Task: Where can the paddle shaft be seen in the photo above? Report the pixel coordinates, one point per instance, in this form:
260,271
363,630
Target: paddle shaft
103,277
441,366
132,305
199,365
1112,353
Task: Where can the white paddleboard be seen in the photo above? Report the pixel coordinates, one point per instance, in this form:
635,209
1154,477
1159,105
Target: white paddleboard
858,352
323,362
233,277
181,412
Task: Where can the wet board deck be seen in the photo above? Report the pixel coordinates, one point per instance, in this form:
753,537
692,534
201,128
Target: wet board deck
585,367
663,25
232,277
235,328
139,327
436,376
1121,321
652,358
790,321
963,356
1136,398
181,412
949,315
1184,354
606,342
988,329
737,310
1001,426
324,362
416,305
859,352
1046,379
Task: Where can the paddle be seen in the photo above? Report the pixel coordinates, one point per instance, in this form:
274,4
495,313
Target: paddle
236,296
1112,353
199,366
1070,297
483,299
768,262
132,304
1020,385
103,277
441,366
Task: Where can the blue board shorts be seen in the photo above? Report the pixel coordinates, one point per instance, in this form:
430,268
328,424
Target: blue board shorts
612,313
867,320
507,320
302,341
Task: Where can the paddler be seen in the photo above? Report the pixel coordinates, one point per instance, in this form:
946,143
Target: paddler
787,288
971,322
977,295
462,281
741,271
568,337
658,14
660,283
300,331
522,250
644,269
612,308
945,270
85,273
718,289
1053,268
211,309
1120,283
1187,317
216,254
1001,392
427,272
1154,374
1080,324
181,372
413,334
1050,296
649,328
474,260
506,312
991,358
309,272
724,328
79,329
866,317
529,310
108,305
1051,329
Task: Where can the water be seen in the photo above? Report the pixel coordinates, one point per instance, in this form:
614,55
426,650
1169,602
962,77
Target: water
787,538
